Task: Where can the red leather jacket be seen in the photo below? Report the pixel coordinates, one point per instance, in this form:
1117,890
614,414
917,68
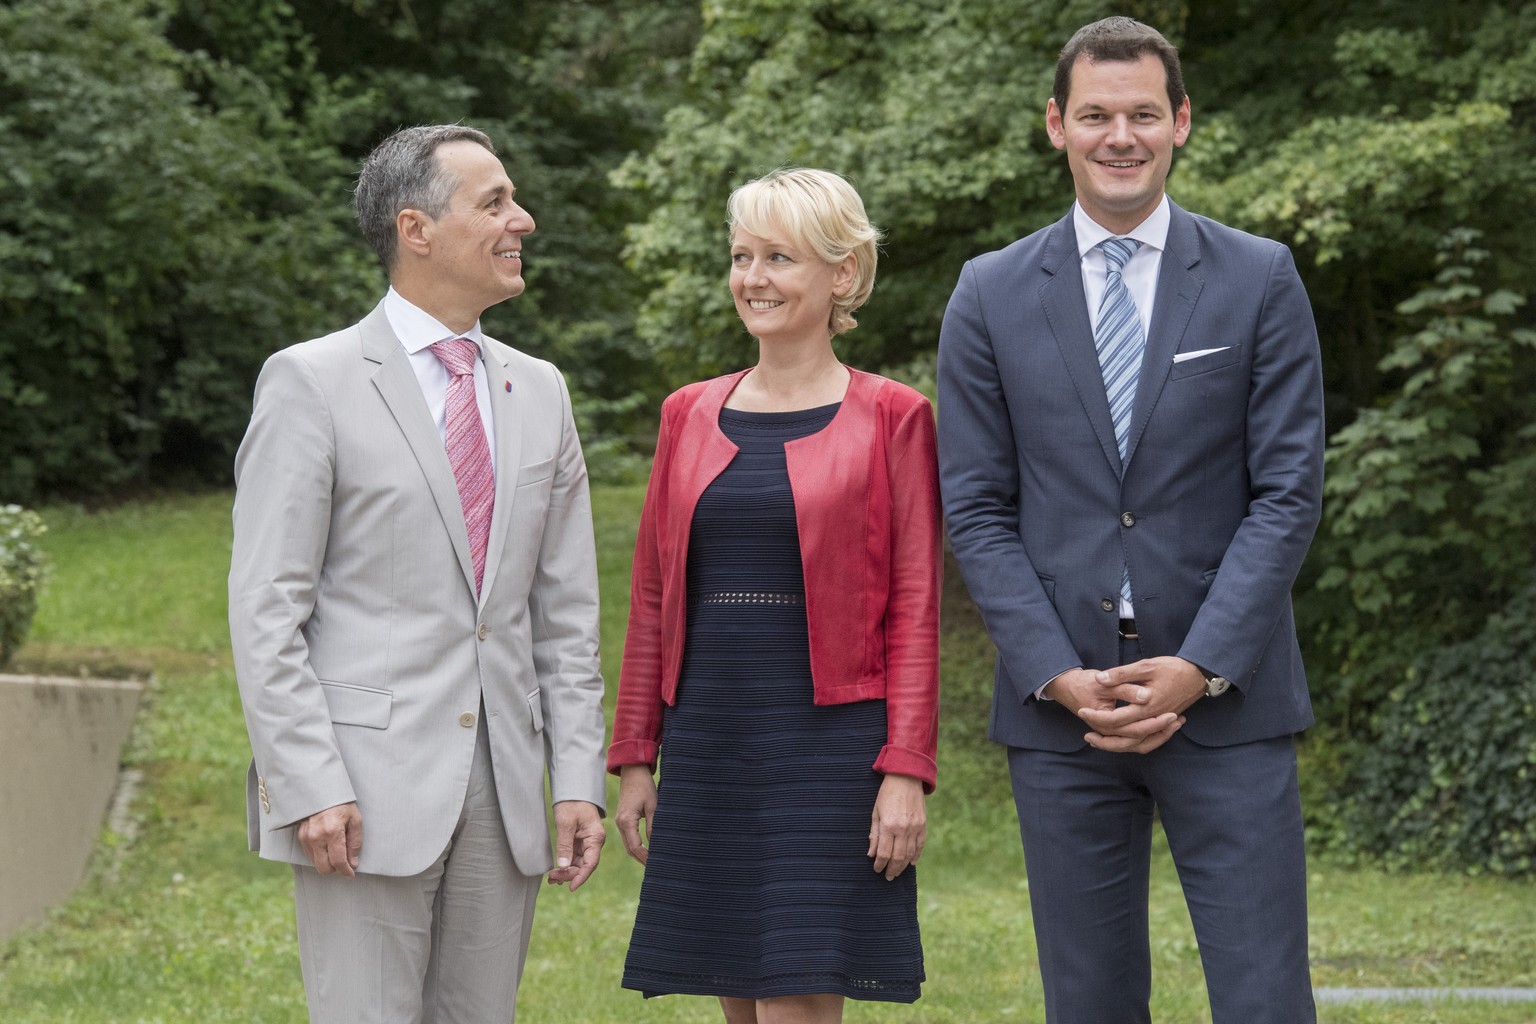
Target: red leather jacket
867,505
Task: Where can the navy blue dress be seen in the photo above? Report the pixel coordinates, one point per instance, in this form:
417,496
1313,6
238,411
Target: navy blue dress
757,883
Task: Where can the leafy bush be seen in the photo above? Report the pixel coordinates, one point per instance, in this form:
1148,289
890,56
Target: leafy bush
1451,780
1411,600
165,222
1427,517
21,575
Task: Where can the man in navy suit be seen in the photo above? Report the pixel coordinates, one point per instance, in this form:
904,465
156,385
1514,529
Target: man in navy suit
1132,542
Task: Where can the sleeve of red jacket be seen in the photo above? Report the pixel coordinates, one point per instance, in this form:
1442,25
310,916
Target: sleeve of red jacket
912,607
638,709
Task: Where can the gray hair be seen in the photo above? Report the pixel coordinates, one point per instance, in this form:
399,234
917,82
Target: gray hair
403,173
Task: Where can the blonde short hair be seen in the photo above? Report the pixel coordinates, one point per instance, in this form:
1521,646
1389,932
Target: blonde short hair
820,213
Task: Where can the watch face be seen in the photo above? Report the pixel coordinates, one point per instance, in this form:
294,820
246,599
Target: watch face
1215,686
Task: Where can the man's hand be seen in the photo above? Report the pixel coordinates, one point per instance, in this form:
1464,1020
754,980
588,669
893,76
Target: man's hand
1136,726
898,828
579,839
1166,686
333,838
637,803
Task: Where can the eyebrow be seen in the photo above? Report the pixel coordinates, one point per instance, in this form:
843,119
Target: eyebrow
1088,108
782,245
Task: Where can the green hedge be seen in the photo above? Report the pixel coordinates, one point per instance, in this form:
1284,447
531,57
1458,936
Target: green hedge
1451,780
21,575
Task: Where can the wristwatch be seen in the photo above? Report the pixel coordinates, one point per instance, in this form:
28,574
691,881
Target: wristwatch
1215,685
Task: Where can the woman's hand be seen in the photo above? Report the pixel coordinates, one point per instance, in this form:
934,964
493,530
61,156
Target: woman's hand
899,826
637,802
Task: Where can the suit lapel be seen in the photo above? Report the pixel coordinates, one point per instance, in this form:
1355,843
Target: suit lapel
1066,310
396,382
1178,289
507,421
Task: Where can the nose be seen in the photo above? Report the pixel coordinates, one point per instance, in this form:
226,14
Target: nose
521,221
1120,133
754,275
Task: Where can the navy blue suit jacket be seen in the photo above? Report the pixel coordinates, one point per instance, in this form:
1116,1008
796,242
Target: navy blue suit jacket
1212,512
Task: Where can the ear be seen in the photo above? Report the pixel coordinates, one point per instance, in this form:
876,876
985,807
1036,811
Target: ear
844,275
1181,123
413,231
1053,124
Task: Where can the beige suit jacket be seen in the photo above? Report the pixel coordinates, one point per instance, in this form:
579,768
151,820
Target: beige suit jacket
362,653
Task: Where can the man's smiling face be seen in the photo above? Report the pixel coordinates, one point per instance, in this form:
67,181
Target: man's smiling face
1119,132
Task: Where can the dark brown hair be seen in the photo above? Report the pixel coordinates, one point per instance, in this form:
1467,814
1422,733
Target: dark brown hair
1118,39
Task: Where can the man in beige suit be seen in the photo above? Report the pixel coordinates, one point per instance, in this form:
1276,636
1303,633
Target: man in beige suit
413,608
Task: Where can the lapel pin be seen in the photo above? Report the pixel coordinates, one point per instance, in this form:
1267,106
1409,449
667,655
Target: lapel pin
509,387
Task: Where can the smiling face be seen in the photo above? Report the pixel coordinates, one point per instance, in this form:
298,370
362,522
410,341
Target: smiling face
784,292
470,258
1119,132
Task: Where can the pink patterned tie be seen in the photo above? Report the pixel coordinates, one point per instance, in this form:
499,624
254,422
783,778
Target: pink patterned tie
468,452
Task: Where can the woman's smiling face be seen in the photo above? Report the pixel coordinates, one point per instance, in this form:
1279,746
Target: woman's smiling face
783,291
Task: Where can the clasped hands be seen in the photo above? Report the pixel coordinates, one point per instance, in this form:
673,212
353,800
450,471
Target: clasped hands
1134,708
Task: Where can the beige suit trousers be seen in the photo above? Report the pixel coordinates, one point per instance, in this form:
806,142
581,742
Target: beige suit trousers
446,946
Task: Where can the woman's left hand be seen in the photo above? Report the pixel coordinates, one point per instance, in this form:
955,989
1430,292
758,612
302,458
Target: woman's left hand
899,826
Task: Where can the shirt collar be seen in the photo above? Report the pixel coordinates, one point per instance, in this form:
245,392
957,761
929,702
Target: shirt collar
1151,232
417,329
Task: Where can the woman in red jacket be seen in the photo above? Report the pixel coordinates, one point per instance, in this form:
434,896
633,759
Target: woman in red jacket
782,651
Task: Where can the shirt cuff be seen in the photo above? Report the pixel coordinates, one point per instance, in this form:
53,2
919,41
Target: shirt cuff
1040,692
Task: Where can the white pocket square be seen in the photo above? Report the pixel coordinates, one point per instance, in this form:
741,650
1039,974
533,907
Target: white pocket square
1182,357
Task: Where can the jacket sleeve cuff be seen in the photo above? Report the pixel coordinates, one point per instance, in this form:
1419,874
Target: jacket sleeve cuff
894,760
627,752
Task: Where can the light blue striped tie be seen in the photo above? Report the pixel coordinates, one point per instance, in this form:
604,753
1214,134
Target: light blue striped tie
1120,343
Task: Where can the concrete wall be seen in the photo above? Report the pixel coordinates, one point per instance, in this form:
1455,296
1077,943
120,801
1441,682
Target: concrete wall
60,740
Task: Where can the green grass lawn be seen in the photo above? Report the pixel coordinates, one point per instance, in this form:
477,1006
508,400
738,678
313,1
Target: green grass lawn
177,923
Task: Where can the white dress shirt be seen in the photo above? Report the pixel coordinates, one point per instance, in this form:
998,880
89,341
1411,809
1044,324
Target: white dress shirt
1140,271
1140,277
418,331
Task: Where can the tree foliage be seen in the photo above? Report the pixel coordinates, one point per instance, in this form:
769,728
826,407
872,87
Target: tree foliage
176,180
886,92
1427,513
151,246
1359,136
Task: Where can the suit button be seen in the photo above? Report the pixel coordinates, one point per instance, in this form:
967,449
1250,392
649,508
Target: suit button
467,719
1108,604
484,631
1127,520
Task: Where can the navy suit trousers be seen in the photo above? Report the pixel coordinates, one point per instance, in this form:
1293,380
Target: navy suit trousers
1232,816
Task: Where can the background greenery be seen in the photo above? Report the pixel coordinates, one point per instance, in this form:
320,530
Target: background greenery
174,206
178,923
22,568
